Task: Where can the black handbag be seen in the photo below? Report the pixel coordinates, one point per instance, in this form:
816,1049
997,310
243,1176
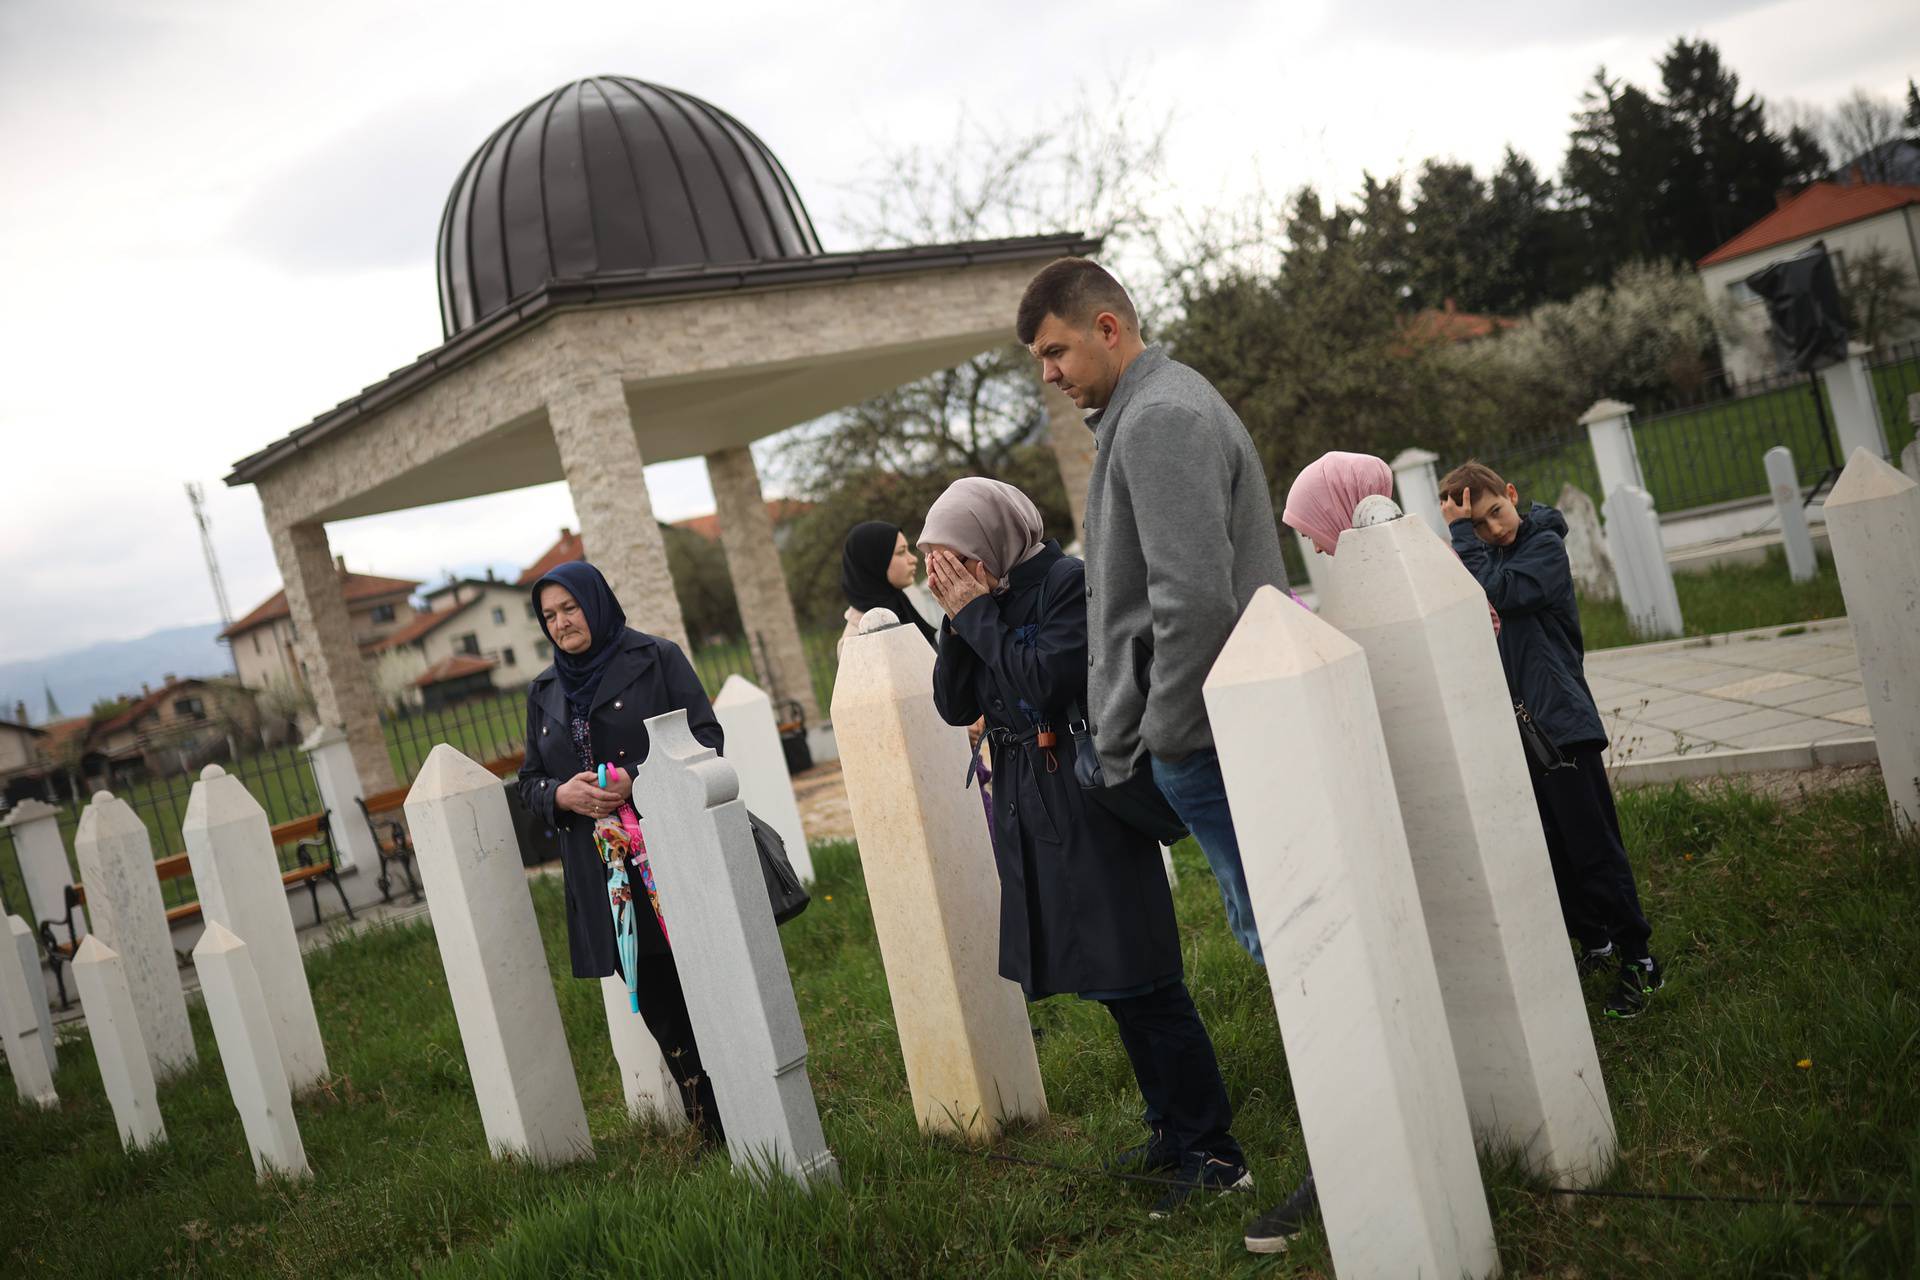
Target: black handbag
1540,749
1138,801
785,893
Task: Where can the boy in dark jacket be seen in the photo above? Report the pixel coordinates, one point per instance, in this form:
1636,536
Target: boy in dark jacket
1521,562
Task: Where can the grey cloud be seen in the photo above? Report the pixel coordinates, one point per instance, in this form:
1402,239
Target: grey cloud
1507,24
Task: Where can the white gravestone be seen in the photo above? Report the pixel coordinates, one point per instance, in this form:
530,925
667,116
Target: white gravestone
1784,484
753,745
1587,546
1873,524
1856,412
935,892
123,899
1527,1064
42,855
237,874
1419,487
1640,557
713,897
25,1028
118,1044
650,1089
249,1053
1910,457
496,966
1348,958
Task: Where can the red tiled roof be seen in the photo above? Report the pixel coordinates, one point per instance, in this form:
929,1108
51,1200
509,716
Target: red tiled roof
459,665
358,588
1450,324
62,732
567,548
147,702
1821,207
421,625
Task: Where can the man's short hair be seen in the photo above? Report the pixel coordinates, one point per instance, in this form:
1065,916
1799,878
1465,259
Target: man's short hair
1471,474
1076,290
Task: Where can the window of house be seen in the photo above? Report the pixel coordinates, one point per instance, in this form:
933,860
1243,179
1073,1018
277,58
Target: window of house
506,655
468,643
256,642
499,616
383,613
532,612
189,709
542,650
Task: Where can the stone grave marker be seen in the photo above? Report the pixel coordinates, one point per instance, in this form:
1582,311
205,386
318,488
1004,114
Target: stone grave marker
1646,579
1587,545
250,1053
25,1028
1784,483
753,745
649,1087
118,1046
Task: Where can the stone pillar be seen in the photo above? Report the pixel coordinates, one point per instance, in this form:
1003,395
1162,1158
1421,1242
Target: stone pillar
1785,485
759,584
607,478
651,1091
1347,950
1609,425
1646,579
1514,1010
1856,415
250,1054
43,862
713,896
935,892
331,757
118,1044
1873,525
1587,545
496,965
25,1028
753,746
1419,487
336,673
230,847
1072,444
116,867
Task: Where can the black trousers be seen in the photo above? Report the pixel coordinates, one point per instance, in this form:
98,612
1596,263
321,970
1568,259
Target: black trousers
1590,867
1179,1077
664,1008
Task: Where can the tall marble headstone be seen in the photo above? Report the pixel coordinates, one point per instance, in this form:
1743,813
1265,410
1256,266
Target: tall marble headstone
645,1082
25,1028
753,745
42,855
118,1046
1640,557
250,1053
1784,484
1587,545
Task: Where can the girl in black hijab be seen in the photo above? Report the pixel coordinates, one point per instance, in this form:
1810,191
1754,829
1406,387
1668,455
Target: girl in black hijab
876,568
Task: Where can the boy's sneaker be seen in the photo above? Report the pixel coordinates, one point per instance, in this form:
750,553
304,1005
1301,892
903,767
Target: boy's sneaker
1639,979
1155,1155
1273,1230
1595,960
1203,1173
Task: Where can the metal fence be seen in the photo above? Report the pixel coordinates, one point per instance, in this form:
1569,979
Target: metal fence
715,662
483,728
1895,370
1710,448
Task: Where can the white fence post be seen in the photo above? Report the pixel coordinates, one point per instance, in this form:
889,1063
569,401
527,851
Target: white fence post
1609,425
249,1053
752,733
1419,487
1640,557
118,1044
1784,483
1856,416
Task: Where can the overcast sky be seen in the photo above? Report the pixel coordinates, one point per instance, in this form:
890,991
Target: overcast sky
217,219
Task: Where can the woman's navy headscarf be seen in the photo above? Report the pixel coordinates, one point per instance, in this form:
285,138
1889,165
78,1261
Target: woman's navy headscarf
863,575
580,672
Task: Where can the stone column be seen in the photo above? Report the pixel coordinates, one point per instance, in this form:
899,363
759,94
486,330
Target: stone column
336,673
25,1028
249,1052
1347,951
43,862
1525,1053
1873,525
330,756
753,745
935,893
759,584
650,1089
1419,487
230,847
1609,425
1785,485
1072,445
495,963
116,867
1640,557
118,1044
1856,415
607,476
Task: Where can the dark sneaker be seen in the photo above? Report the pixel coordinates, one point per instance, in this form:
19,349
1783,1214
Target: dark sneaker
1594,960
1204,1173
1273,1230
1639,979
1156,1155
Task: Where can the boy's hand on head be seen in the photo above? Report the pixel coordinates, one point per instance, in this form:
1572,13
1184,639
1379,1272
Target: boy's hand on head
1451,510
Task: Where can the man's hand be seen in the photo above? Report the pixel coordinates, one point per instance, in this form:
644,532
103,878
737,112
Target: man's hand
1451,510
952,586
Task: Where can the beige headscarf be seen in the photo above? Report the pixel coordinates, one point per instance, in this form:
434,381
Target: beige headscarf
987,521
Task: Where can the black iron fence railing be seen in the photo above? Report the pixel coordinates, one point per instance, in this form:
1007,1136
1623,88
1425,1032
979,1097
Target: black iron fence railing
1895,369
482,728
1708,449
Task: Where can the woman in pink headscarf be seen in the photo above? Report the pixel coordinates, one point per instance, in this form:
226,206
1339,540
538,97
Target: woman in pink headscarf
1341,491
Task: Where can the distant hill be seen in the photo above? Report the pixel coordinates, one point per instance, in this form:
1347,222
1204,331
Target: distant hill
80,678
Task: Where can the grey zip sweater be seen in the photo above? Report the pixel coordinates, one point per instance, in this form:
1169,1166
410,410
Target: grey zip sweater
1180,533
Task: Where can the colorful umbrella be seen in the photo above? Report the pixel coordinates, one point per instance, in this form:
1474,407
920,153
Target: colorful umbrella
622,849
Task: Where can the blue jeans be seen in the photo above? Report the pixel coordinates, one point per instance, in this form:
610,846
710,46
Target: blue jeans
1196,791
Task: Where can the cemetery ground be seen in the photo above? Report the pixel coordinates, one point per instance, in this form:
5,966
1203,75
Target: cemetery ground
1779,1063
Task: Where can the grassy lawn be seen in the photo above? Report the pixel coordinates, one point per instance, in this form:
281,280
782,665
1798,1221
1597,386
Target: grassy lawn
1727,598
1789,930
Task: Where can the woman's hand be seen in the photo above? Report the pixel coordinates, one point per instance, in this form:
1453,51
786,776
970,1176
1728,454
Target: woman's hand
581,794
952,586
974,731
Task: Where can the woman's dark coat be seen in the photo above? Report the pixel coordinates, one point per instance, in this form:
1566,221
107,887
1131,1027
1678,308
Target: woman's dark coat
648,677
1530,583
1084,904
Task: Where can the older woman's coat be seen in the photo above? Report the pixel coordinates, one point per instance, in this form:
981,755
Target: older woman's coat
648,677
1084,905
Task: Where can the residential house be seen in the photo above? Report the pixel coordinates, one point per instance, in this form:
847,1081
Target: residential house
21,757
1851,219
180,725
264,641
478,619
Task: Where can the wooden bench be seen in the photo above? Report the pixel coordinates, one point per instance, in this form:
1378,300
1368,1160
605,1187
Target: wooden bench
309,836
390,837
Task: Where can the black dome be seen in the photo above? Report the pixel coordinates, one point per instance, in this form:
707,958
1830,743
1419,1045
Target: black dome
610,174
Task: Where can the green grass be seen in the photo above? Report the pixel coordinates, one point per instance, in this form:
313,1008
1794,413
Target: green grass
1789,931
1727,598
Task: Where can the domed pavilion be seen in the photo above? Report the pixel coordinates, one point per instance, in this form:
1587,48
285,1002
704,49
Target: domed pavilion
627,275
